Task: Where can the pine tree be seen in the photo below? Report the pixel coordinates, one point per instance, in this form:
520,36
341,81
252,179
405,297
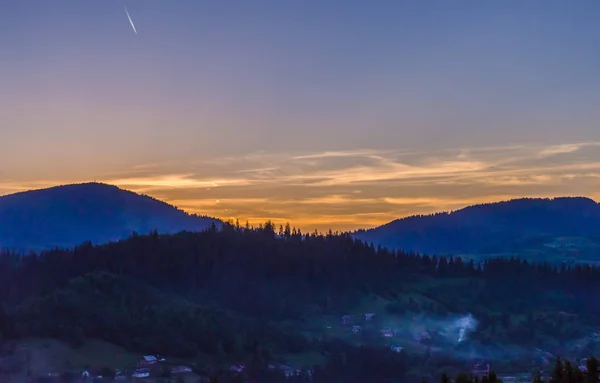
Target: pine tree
593,370
569,376
463,378
558,372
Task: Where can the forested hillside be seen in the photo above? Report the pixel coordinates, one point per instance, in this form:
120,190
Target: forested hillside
65,216
517,226
269,294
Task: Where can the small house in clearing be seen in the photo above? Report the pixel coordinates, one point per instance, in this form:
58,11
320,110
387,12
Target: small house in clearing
346,319
356,329
369,316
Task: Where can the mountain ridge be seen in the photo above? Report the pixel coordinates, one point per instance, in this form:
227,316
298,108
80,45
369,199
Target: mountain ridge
67,215
498,227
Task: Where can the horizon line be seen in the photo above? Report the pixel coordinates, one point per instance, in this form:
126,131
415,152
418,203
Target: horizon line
233,219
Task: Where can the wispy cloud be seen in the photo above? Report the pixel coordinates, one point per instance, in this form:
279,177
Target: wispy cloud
342,153
358,188
563,149
176,181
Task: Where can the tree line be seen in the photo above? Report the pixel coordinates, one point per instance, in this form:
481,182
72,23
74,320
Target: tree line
242,283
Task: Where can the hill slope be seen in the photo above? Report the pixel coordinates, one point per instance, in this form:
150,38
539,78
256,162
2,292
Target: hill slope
504,227
135,316
200,292
69,215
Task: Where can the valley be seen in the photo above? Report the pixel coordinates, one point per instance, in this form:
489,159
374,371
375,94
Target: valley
283,303
199,298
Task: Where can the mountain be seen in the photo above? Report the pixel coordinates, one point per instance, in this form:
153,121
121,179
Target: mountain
66,216
515,226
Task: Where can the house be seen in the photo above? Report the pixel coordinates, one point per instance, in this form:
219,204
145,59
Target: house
396,348
148,360
180,369
369,316
387,333
141,373
356,329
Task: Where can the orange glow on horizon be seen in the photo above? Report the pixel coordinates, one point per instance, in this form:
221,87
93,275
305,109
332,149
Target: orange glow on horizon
348,190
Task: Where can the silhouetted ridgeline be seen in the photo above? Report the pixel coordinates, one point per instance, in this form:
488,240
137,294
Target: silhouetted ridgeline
540,229
64,216
242,262
491,228
241,293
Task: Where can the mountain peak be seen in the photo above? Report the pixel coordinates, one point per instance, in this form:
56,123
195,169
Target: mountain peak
491,227
68,215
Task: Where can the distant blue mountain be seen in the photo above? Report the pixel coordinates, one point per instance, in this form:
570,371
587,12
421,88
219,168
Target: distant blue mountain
503,227
66,216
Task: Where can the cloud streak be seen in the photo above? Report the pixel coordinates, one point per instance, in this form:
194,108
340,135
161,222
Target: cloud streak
360,188
563,149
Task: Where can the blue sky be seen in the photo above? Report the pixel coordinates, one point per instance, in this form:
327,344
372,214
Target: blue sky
208,83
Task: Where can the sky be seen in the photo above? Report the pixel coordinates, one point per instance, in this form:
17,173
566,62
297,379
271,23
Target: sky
323,113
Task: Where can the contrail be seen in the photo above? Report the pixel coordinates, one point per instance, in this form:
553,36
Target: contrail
130,21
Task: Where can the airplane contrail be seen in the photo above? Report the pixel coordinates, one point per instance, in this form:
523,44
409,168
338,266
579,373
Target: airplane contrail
130,21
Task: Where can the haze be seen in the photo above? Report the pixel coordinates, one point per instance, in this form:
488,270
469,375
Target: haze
325,114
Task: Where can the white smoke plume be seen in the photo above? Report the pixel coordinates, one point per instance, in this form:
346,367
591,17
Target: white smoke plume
465,325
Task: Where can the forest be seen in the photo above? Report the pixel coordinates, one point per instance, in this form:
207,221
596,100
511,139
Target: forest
244,293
